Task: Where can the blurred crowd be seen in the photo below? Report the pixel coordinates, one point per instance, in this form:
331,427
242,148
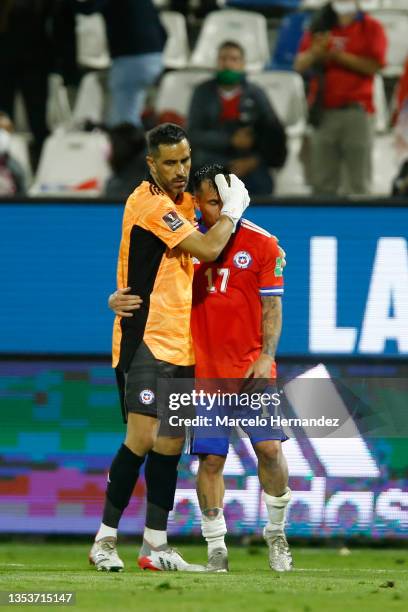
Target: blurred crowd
339,49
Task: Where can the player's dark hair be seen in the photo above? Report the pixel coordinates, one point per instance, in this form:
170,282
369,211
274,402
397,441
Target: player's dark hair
208,173
231,44
164,134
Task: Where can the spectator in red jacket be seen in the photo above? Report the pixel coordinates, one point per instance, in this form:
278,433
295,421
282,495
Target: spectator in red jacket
342,52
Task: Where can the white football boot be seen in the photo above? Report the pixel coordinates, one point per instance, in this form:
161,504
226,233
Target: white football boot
218,561
280,558
104,556
165,559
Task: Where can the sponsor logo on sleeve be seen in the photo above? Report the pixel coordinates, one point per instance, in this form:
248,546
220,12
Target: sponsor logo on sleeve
278,267
173,220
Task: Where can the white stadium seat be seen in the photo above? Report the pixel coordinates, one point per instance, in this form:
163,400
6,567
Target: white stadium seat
89,103
72,163
176,51
381,107
92,43
20,118
58,109
312,4
58,106
401,5
176,89
370,5
247,28
396,26
286,93
290,180
384,164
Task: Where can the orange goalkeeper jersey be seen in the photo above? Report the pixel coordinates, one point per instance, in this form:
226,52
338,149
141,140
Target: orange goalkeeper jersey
152,265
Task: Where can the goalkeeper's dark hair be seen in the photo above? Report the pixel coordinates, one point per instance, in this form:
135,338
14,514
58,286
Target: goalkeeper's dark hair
208,173
164,134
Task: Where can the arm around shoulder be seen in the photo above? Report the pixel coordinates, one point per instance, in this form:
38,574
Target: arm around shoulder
207,247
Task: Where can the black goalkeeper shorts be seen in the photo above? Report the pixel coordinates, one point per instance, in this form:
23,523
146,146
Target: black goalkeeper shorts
138,386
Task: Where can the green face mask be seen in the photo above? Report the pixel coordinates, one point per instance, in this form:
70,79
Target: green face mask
229,77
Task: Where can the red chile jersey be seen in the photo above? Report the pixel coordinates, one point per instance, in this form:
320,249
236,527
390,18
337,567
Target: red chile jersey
226,319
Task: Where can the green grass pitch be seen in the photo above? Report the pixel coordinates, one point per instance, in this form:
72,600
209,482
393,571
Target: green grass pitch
323,580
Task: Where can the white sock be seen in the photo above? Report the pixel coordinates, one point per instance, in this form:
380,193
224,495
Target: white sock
214,529
155,537
276,507
106,532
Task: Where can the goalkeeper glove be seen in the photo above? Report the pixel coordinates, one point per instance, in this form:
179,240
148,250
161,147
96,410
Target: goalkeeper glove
234,196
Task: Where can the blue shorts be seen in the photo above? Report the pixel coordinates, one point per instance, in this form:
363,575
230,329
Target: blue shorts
215,440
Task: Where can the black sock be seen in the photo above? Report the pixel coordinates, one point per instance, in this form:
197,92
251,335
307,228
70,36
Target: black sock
161,480
122,478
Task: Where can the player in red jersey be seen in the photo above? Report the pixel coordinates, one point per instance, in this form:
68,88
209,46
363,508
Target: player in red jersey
236,325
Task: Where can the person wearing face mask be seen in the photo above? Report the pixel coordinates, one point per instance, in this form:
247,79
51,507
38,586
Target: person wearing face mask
341,57
12,179
231,122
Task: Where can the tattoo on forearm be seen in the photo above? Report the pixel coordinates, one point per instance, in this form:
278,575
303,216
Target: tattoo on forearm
271,324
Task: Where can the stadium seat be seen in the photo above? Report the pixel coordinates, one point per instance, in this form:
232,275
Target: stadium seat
89,103
72,163
92,44
381,107
384,163
58,106
247,28
370,5
401,5
286,93
176,51
396,27
20,118
312,4
290,179
58,109
19,150
176,89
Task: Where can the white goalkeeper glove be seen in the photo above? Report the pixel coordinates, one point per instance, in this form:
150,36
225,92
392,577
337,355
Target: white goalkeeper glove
235,197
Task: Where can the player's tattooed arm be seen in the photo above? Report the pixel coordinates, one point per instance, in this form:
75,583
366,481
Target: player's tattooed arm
271,324
271,331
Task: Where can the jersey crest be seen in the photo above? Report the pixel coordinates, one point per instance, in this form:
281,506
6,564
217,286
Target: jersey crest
242,260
